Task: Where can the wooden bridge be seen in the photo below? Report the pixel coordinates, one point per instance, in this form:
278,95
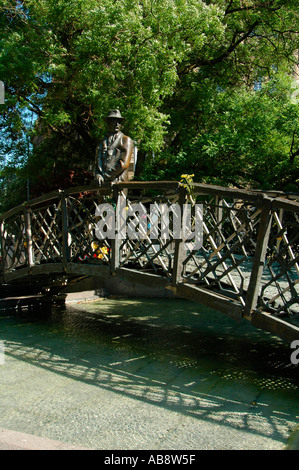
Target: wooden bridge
247,265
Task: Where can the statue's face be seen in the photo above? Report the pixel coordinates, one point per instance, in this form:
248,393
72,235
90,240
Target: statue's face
114,125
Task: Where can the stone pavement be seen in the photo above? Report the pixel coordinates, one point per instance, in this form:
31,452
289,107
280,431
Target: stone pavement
14,440
134,374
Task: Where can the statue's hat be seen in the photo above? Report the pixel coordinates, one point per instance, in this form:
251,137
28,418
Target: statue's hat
114,114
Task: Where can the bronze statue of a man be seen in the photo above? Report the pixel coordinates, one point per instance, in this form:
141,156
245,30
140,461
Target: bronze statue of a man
115,153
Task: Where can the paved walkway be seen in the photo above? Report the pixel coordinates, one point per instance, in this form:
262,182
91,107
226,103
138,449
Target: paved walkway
133,374
14,440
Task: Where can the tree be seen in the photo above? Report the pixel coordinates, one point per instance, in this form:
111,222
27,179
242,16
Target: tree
161,62
218,139
241,137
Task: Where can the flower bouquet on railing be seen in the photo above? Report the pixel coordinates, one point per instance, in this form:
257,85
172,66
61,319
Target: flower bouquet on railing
187,182
98,253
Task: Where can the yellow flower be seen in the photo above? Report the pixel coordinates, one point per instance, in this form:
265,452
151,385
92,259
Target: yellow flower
186,177
94,245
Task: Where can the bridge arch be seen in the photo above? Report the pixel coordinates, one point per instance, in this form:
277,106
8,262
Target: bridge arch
246,266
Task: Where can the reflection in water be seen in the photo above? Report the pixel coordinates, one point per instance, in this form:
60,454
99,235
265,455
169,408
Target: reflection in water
167,353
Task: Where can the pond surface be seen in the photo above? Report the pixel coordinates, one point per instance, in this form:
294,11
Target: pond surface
123,373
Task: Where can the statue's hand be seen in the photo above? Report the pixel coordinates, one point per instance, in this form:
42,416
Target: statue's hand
100,179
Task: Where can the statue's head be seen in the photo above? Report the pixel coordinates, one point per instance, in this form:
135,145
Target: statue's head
114,120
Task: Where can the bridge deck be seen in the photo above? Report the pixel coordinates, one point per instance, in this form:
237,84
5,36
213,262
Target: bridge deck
243,259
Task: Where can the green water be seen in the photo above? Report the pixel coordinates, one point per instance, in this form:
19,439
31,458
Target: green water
70,371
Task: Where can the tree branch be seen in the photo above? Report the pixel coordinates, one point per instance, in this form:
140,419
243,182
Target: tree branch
229,11
292,153
234,44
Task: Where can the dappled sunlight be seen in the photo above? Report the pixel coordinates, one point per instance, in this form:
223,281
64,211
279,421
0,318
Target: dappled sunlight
160,360
177,395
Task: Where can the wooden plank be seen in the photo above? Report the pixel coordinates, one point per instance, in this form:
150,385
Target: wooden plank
115,242
17,274
147,279
44,198
96,270
130,275
46,268
278,194
286,204
29,247
143,185
64,229
212,300
213,190
179,247
2,246
94,188
13,211
259,257
36,270
285,330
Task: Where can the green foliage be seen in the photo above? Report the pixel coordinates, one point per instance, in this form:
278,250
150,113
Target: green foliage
239,137
180,71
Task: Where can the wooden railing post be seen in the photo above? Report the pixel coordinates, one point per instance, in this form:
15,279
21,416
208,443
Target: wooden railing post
179,248
259,257
3,254
28,235
218,215
116,241
64,229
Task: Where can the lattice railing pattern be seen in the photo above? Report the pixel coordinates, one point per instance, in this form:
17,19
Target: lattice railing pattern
249,251
153,249
82,216
224,262
46,230
279,291
14,242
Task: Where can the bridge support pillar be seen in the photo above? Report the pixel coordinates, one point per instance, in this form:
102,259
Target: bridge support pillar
179,249
64,229
29,247
259,257
116,242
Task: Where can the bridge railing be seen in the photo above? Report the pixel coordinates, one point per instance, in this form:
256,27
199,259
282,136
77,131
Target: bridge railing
248,254
250,249
279,286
